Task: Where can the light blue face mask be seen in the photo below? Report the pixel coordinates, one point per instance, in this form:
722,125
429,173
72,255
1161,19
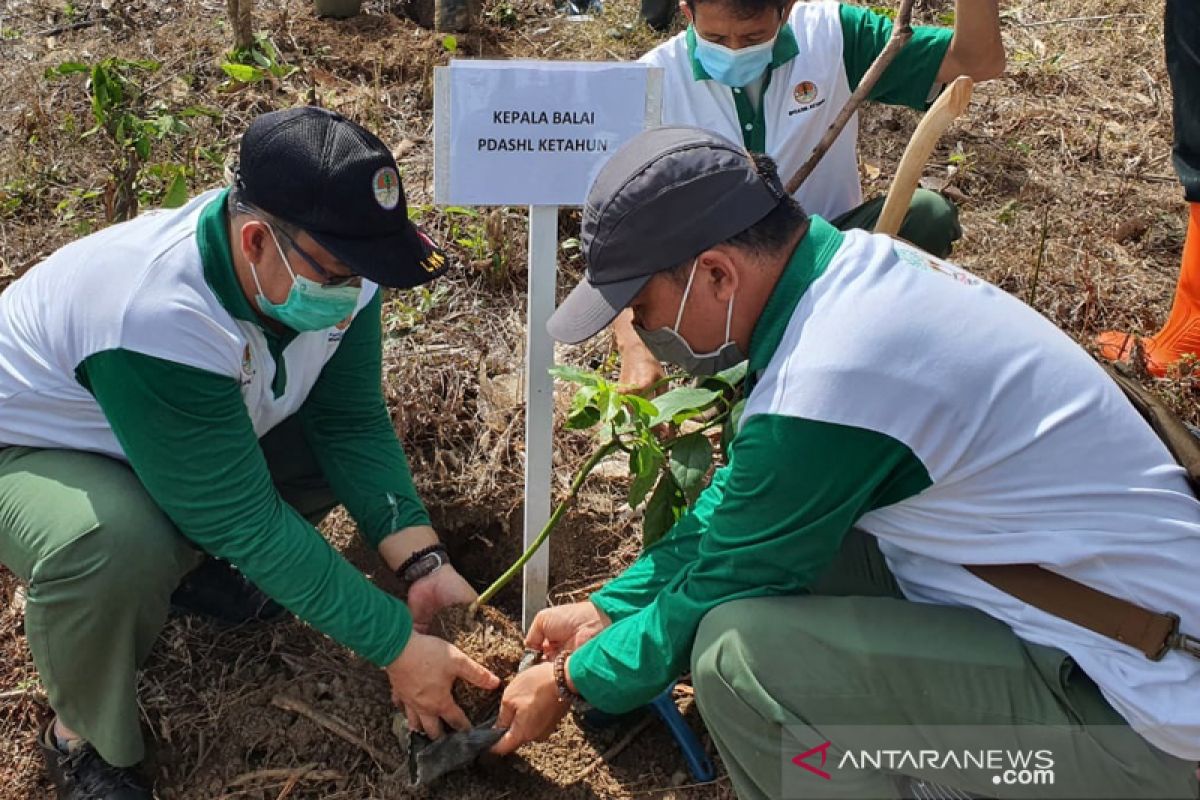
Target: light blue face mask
734,68
309,306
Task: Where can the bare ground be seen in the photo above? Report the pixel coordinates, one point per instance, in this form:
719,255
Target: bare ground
1061,169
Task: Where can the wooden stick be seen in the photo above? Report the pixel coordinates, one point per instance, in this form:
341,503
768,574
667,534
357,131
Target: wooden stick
337,728
944,110
901,33
74,26
1095,18
308,772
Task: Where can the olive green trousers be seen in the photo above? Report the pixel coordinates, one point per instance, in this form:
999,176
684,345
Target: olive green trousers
931,222
852,668
101,560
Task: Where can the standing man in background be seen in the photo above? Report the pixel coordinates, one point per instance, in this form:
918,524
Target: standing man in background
1181,333
773,75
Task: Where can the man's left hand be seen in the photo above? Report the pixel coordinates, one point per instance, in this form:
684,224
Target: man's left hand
530,709
441,588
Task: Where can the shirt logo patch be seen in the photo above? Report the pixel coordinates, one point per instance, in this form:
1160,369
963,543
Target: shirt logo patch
927,263
805,92
807,97
339,330
247,366
386,186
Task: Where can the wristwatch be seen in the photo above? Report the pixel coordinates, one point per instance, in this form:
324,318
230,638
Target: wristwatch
422,564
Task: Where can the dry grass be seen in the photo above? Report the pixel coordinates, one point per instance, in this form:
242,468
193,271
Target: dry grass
1067,198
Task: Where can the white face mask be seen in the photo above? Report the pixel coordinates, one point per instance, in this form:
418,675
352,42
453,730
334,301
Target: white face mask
667,345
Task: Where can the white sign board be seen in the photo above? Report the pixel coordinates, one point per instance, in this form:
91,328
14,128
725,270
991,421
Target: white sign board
534,133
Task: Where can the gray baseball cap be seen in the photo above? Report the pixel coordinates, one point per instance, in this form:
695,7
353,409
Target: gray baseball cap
666,196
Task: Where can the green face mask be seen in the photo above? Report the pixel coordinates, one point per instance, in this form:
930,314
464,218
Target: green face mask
309,306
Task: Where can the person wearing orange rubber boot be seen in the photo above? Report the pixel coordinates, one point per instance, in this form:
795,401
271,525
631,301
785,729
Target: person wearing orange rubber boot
1181,334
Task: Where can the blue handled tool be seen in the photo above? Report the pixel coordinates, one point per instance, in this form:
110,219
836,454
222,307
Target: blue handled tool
699,764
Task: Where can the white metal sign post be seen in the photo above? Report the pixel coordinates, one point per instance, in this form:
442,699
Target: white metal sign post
535,133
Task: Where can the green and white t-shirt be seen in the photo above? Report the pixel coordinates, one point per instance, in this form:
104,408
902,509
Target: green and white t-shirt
819,58
137,342
896,392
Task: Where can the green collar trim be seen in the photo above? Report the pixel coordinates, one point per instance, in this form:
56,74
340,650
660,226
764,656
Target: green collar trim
212,237
785,50
807,263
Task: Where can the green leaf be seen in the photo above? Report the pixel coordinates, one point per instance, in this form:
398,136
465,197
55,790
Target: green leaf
682,403
642,408
141,144
242,72
645,464
66,68
584,397
450,43
583,419
166,124
727,377
566,372
612,410
584,413
691,457
177,192
200,111
660,515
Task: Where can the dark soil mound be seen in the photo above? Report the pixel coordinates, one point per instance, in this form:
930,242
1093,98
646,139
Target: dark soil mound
487,637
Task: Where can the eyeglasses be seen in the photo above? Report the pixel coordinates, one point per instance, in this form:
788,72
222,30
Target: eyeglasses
328,278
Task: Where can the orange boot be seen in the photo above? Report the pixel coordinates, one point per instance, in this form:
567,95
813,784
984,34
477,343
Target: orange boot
1181,334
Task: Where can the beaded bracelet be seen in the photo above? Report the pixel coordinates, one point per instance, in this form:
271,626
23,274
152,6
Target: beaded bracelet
565,694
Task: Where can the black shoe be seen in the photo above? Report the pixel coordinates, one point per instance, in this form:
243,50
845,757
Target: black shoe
216,590
82,774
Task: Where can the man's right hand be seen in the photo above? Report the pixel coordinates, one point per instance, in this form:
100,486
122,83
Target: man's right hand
565,627
422,677
640,370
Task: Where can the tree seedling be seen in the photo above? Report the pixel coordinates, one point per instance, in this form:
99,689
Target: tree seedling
666,466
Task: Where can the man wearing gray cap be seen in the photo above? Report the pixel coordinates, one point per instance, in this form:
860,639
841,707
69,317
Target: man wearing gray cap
903,418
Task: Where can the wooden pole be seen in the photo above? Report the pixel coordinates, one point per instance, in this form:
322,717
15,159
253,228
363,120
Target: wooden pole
948,107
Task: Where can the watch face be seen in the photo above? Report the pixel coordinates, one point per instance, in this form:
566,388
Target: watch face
426,565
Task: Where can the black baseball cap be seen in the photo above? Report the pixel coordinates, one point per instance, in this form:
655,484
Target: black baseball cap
667,195
338,182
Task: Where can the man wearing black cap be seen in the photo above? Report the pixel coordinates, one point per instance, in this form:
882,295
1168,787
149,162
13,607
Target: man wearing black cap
902,418
206,380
